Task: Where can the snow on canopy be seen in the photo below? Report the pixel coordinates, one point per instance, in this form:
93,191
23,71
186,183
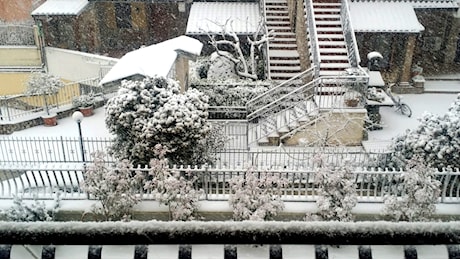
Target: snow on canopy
207,17
153,60
61,7
393,17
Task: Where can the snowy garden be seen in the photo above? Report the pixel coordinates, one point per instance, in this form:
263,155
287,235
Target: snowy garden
157,153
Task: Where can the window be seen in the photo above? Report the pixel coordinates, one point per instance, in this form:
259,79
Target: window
123,15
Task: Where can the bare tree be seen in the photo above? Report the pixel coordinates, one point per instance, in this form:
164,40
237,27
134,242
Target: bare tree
230,40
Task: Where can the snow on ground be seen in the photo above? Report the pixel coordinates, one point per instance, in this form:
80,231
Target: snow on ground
93,126
393,122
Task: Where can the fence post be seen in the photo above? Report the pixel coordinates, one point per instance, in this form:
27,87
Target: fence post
444,185
63,150
205,181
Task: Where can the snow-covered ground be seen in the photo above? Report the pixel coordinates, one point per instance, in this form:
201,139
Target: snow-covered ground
393,123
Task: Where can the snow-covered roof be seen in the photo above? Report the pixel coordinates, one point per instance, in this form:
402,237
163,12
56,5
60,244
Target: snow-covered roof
395,17
419,3
209,16
156,59
61,7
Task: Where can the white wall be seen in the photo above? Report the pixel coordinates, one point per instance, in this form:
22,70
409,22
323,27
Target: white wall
75,65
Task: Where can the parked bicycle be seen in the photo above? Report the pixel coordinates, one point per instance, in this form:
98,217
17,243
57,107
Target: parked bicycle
401,107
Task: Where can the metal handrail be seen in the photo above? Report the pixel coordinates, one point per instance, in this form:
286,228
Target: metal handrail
313,35
349,34
251,103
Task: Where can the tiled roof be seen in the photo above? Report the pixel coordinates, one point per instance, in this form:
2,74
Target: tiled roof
418,3
395,17
61,7
208,16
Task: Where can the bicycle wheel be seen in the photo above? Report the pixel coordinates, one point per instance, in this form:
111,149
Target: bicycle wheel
405,110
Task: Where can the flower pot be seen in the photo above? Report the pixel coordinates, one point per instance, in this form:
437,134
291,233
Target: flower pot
50,120
351,102
86,111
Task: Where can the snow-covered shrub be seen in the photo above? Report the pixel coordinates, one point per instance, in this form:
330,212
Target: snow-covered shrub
115,188
43,84
414,194
231,95
173,188
337,194
256,195
436,140
214,142
153,111
35,211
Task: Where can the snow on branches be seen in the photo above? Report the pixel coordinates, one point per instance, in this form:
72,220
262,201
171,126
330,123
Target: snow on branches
337,194
43,84
152,111
227,44
113,186
256,196
414,194
436,139
173,188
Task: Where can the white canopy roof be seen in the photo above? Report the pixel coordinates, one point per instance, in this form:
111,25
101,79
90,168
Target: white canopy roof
61,7
207,17
157,59
395,17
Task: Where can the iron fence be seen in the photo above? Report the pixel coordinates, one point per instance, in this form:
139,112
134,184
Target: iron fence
371,185
17,35
20,150
25,106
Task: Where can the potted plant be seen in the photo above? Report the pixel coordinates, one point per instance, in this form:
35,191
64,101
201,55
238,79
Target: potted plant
44,84
351,98
84,103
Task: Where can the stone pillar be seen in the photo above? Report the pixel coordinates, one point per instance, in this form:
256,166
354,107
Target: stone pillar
408,55
301,37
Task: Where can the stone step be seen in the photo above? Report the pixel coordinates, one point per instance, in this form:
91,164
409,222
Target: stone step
332,50
274,62
284,53
331,43
334,58
327,16
324,30
334,65
331,37
334,23
285,68
326,10
318,4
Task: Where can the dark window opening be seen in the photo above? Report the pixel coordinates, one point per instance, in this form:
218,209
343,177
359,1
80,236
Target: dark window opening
123,15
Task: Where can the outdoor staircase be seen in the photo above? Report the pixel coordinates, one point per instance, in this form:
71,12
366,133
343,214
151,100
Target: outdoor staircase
283,57
282,110
333,54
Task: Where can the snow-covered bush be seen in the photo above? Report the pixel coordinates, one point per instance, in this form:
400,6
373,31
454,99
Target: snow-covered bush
214,143
43,84
173,188
256,195
153,111
337,194
115,188
231,95
436,140
35,211
414,193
